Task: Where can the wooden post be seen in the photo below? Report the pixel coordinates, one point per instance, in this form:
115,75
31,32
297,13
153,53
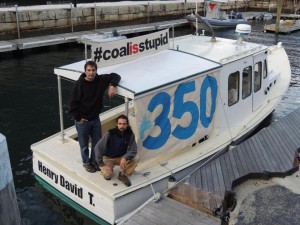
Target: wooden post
95,15
71,15
279,7
9,211
18,23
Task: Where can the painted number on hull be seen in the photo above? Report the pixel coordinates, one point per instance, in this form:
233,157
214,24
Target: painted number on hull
180,108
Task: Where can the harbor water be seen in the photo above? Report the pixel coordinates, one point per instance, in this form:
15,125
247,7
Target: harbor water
29,112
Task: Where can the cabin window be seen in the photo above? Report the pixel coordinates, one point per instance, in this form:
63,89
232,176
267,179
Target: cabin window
233,88
257,76
247,84
265,69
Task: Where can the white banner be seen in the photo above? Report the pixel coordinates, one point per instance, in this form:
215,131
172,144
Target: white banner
114,52
176,117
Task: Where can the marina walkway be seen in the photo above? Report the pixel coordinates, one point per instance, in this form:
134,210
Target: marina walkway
25,43
168,211
272,152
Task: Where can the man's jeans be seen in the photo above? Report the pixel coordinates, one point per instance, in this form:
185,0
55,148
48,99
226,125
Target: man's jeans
91,128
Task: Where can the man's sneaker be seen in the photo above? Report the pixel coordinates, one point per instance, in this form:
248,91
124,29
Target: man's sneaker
97,168
125,180
89,168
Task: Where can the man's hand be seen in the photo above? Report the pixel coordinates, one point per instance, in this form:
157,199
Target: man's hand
108,169
111,91
82,121
123,163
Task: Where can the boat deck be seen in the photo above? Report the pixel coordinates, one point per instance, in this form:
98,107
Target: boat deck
34,42
272,152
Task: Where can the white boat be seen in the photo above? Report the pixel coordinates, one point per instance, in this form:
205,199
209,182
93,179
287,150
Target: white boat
218,18
263,16
101,37
186,98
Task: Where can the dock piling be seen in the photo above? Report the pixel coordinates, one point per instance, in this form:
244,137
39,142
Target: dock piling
71,15
9,211
18,23
279,7
95,15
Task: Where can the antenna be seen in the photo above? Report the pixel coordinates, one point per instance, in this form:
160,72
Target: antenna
242,30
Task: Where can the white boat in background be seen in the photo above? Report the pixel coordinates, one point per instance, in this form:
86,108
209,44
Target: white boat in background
263,16
186,98
101,37
218,18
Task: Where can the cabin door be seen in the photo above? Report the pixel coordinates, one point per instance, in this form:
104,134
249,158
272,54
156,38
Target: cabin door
257,81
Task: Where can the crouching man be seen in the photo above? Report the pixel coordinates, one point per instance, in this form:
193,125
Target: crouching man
117,147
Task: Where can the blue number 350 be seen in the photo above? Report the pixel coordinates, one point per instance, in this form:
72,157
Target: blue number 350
181,107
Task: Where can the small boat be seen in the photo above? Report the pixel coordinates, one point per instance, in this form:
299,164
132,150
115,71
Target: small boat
186,98
264,16
101,37
218,18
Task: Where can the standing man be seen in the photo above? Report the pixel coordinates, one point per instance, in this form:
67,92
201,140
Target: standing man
86,103
117,147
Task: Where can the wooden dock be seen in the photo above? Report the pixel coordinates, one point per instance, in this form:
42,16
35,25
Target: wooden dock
34,42
168,211
272,152
286,27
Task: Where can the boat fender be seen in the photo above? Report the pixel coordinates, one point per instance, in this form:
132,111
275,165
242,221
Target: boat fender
172,181
232,145
279,45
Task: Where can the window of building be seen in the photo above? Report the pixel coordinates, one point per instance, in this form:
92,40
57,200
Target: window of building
247,82
233,88
257,76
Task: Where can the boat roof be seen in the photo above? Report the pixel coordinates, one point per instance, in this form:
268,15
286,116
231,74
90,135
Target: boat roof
147,74
222,50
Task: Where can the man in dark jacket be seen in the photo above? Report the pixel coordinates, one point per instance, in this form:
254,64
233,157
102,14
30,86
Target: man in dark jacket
117,147
86,103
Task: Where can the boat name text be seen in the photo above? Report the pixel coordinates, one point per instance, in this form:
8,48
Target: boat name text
61,180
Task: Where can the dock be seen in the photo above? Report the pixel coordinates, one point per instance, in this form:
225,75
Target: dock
168,211
34,42
272,152
286,27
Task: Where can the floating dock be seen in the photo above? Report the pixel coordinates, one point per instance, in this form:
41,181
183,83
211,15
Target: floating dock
34,42
286,26
168,211
272,152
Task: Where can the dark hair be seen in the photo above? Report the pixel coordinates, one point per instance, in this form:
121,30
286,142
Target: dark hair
123,117
90,63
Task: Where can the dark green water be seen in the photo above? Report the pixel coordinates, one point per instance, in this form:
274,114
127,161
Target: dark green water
29,113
